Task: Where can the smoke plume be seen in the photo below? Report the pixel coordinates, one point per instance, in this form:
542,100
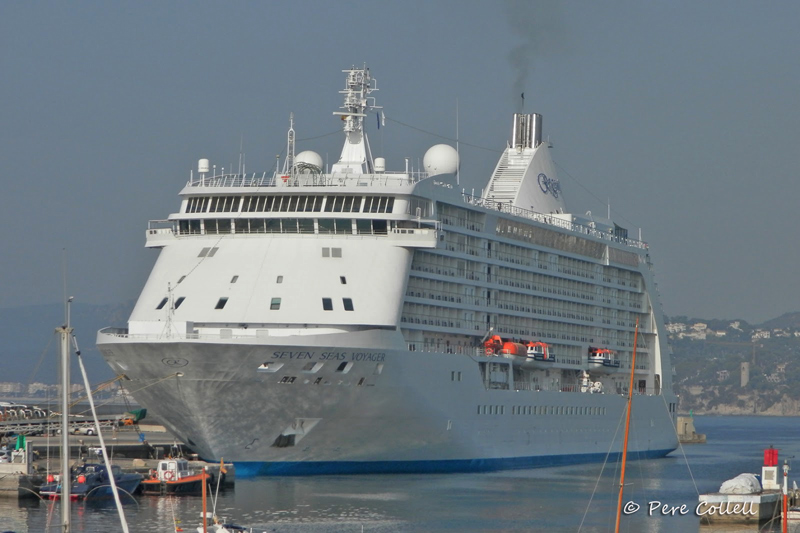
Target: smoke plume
538,23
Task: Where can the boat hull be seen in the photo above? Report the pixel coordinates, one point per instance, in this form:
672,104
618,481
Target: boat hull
190,485
387,410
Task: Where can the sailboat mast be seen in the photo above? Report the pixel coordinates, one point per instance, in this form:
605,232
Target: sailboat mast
627,428
65,332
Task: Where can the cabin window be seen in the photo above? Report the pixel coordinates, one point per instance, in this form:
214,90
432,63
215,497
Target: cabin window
348,304
279,280
290,225
326,252
275,304
326,225
256,225
363,227
312,367
221,303
380,226
234,279
162,304
343,280
242,225
336,252
270,366
305,225
327,304
350,202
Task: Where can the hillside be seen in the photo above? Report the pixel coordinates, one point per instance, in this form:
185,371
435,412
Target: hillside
731,367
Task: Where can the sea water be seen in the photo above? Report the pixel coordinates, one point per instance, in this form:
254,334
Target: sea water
660,495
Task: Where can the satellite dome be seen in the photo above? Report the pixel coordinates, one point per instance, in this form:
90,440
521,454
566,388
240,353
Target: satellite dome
440,159
308,160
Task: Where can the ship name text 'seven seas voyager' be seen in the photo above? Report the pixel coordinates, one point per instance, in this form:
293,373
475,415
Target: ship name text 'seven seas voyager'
330,356
353,319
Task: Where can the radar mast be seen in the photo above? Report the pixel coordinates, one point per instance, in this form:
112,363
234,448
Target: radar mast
356,156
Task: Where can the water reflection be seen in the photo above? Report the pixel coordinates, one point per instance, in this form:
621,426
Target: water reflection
565,499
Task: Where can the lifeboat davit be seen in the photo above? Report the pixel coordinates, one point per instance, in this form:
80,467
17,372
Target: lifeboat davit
493,345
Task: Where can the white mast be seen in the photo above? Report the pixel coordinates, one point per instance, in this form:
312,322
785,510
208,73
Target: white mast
288,164
356,157
66,481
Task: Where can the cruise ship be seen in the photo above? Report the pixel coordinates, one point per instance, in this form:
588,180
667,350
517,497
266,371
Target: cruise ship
351,319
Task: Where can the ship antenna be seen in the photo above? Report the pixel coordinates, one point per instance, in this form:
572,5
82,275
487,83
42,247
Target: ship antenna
241,151
288,164
64,283
356,156
458,167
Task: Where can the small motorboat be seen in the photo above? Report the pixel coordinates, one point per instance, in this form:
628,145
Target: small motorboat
173,476
91,480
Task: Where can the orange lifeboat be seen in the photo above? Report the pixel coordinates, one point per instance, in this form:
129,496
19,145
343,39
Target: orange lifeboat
603,358
539,351
514,348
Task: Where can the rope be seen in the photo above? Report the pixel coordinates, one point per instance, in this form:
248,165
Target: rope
41,359
602,468
582,186
319,136
680,447
137,390
459,141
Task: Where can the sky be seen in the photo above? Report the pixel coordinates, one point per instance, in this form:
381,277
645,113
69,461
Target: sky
681,116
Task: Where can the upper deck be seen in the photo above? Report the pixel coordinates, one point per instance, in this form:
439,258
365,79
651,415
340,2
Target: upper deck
327,190
277,180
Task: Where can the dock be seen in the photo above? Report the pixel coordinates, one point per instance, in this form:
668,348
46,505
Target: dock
18,478
746,499
739,508
131,450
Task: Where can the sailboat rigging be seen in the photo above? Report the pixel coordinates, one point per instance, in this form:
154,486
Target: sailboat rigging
627,429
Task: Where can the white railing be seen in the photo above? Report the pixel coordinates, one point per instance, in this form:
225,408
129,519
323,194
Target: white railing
550,220
383,179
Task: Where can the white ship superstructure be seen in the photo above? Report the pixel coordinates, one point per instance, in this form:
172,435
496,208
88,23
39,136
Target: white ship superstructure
359,320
